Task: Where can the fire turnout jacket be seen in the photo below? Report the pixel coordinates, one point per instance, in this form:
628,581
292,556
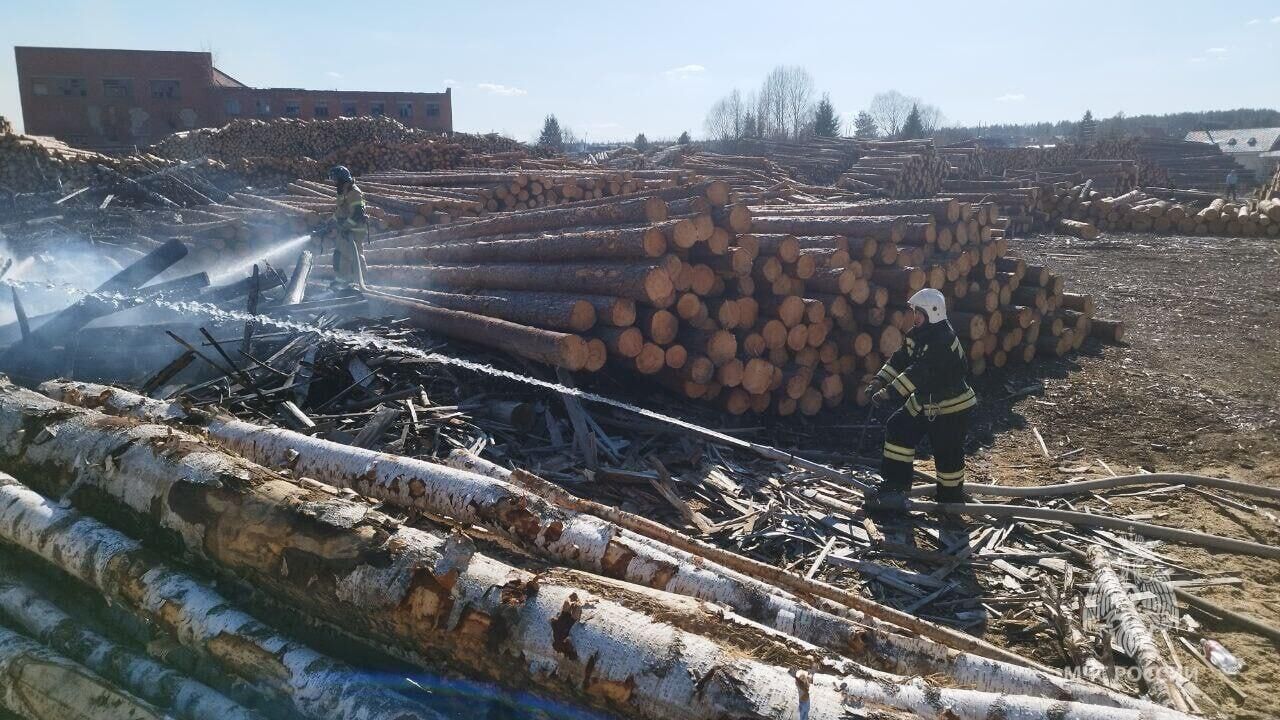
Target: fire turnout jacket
350,221
929,370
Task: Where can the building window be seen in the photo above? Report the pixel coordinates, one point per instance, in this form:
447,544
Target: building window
71,87
377,109
406,111
40,86
164,89
264,107
233,106
292,108
321,110
349,109
117,88
433,109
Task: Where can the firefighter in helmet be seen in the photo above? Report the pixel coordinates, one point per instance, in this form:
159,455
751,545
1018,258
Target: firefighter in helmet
351,229
928,373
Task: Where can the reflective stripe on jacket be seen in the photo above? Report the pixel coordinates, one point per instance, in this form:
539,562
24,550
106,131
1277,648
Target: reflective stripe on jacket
929,371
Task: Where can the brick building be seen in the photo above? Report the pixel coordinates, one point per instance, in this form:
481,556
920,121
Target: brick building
117,99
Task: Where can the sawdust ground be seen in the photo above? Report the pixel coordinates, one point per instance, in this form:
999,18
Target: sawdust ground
1194,389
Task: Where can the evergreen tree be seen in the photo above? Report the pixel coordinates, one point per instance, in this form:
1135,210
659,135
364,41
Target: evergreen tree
684,138
642,142
825,121
1088,129
551,137
864,126
912,127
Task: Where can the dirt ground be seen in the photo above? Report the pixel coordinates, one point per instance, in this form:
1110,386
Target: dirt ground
1194,389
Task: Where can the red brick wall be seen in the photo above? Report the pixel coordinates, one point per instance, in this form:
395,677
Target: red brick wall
95,118
279,100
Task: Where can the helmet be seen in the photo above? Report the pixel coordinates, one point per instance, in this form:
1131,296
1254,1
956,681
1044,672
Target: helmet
339,174
930,302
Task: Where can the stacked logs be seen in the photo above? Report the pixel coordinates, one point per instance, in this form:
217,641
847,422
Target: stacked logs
896,169
524,586
1189,164
1163,210
769,307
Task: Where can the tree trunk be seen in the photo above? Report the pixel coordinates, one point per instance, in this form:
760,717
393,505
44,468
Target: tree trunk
553,311
142,676
889,228
192,612
647,282
554,348
620,212
38,684
626,243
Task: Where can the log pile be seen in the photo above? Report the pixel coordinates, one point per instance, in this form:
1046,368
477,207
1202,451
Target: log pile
772,307
1191,165
896,169
629,617
1164,210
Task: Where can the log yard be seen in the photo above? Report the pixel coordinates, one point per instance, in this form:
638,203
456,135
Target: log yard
720,382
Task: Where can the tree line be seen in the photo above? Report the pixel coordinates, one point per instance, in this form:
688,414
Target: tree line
786,107
1172,125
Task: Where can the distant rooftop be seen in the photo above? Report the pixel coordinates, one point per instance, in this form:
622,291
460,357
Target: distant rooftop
1247,140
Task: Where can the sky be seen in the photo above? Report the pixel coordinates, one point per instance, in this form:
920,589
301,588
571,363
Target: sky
610,70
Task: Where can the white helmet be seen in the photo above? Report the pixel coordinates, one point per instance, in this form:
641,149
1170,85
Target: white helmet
931,302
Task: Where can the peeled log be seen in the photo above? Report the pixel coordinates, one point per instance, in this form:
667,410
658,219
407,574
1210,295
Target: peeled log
118,567
548,346
39,684
142,676
629,243
582,537
554,311
638,210
649,282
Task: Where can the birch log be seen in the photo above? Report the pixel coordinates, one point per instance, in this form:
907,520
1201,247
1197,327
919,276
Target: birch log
38,684
1118,609
142,676
192,612
582,540
602,648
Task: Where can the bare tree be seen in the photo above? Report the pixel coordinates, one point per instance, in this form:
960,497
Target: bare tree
798,97
931,118
889,110
773,98
727,118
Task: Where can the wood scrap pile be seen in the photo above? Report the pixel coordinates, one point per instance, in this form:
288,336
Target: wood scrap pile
452,554
896,169
1272,189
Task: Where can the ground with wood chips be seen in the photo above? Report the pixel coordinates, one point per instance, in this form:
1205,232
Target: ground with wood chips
1195,389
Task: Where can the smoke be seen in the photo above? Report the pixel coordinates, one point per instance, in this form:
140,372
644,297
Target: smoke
279,255
49,277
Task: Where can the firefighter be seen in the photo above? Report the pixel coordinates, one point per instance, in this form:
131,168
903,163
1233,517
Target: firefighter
351,228
928,372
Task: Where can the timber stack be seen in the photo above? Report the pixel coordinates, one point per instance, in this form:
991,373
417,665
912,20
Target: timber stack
1164,210
631,618
765,307
896,169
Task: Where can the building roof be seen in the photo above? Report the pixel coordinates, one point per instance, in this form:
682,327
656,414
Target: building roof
1247,140
221,79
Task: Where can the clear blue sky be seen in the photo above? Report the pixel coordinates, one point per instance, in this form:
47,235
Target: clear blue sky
612,69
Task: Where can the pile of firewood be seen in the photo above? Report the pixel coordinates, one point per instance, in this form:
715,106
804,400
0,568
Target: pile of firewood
896,169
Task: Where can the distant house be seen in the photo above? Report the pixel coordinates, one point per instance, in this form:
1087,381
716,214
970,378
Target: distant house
1246,147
